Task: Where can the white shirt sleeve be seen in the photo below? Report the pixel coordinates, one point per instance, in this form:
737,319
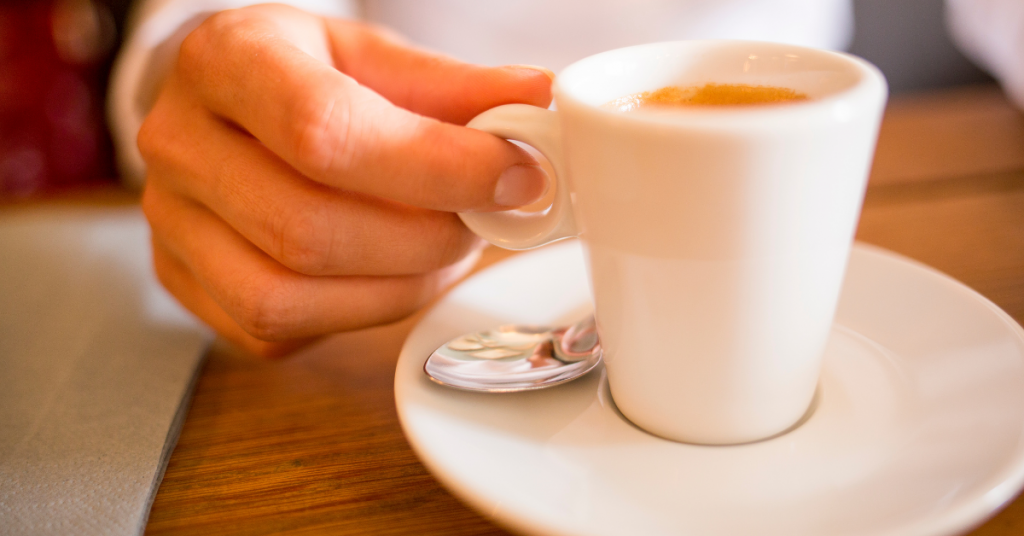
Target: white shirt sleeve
991,32
555,33
155,31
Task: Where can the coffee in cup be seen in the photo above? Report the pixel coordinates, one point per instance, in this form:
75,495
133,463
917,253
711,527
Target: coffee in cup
710,94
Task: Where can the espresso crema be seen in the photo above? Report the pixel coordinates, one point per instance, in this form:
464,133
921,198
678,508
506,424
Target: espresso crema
707,95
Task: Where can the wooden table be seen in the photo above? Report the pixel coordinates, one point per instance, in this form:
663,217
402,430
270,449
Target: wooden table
312,444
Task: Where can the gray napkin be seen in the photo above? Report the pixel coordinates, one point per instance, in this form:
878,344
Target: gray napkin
97,364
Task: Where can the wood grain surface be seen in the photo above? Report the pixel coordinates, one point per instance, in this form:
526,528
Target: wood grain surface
312,444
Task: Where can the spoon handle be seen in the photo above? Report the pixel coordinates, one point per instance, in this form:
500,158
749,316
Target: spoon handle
577,342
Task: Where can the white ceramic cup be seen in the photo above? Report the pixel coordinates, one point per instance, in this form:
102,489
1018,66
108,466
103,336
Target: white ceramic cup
717,237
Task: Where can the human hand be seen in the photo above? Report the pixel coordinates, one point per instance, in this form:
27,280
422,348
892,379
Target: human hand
303,173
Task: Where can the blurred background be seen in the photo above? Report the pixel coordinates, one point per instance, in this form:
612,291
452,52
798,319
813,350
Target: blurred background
55,57
909,42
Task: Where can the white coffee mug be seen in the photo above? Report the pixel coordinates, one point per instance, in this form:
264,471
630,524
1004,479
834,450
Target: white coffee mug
717,237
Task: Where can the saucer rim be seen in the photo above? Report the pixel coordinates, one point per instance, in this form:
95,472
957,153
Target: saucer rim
1007,482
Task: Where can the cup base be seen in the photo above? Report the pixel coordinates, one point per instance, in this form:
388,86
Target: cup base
606,391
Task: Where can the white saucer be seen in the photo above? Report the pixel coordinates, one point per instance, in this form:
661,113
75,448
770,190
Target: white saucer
919,427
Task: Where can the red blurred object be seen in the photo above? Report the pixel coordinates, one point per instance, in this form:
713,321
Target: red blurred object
52,59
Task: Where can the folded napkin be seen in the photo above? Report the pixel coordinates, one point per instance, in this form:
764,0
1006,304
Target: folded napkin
97,364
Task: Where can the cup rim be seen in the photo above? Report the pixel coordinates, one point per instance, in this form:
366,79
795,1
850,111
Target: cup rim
870,85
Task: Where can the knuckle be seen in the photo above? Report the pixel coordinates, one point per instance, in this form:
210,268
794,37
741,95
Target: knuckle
213,38
160,139
264,309
149,136
305,242
324,138
192,52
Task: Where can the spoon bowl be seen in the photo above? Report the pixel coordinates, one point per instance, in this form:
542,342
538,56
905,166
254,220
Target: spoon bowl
516,358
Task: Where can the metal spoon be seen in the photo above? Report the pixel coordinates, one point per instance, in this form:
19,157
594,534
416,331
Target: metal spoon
516,358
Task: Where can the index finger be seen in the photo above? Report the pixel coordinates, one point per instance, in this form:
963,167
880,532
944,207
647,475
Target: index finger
340,133
428,83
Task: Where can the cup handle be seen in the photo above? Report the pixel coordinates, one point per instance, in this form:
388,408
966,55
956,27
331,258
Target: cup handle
516,229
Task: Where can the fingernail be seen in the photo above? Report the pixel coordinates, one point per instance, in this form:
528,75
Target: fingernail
520,185
550,74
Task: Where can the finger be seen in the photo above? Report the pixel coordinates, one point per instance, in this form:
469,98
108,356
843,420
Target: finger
271,302
308,227
176,278
428,83
342,134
